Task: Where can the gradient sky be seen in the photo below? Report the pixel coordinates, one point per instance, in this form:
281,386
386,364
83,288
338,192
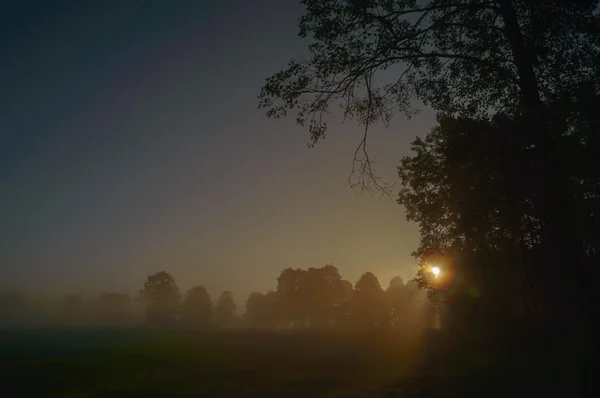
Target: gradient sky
131,143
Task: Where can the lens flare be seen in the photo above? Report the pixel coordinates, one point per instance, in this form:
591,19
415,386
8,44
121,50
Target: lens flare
442,273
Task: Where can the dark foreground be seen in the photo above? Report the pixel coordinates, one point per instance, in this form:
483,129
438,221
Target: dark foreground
139,363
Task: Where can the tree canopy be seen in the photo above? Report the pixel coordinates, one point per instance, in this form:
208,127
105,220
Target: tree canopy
225,309
161,294
470,58
506,183
370,307
197,308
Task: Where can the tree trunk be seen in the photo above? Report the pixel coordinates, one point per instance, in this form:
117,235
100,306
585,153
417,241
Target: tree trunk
558,244
530,93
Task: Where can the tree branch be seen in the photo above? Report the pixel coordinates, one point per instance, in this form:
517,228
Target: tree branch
366,179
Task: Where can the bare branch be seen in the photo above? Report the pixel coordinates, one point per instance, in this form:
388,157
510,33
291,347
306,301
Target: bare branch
363,178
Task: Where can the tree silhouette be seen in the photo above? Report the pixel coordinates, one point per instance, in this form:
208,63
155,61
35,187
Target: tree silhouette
162,297
464,190
320,290
370,308
396,282
291,296
225,310
343,305
197,308
397,299
472,186
261,310
465,57
481,61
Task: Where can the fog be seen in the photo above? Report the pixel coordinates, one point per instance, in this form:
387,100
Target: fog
313,298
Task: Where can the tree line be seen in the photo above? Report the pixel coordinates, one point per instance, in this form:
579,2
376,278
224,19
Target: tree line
313,298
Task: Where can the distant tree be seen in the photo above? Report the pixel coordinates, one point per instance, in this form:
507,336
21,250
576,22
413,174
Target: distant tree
369,305
320,290
397,299
343,305
257,314
412,289
292,297
115,307
197,308
275,311
162,298
261,310
225,307
347,290
396,281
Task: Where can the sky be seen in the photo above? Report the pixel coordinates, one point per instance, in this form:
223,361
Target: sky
131,142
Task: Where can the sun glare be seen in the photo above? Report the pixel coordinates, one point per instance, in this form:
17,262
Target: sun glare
435,271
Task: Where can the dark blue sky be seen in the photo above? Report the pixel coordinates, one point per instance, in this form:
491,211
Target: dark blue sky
131,143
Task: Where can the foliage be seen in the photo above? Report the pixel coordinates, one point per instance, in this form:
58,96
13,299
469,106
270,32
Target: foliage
464,189
369,304
261,310
162,297
461,57
505,182
318,298
225,310
322,290
289,294
397,298
473,188
314,297
197,308
321,299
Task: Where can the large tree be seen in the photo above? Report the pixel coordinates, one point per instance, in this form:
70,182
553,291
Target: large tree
475,60
467,57
472,186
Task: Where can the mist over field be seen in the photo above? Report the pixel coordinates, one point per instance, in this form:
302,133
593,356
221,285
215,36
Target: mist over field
300,198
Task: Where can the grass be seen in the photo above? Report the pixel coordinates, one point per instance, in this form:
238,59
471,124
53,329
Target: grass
142,363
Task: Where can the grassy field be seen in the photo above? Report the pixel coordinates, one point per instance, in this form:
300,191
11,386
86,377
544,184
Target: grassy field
139,363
